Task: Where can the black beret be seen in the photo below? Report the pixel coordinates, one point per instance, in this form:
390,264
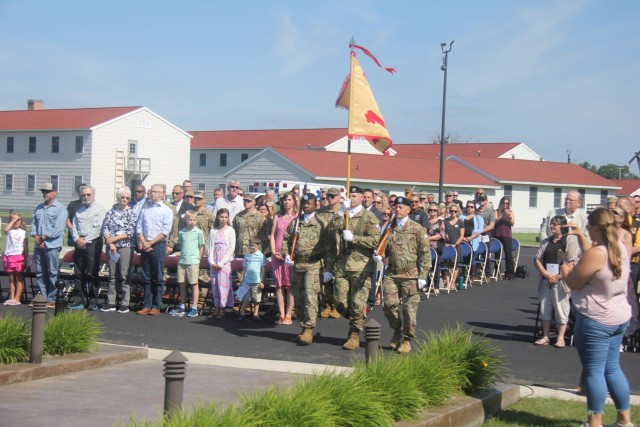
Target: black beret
309,196
401,200
355,189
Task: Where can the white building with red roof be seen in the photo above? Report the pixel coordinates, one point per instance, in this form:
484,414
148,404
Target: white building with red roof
628,187
105,147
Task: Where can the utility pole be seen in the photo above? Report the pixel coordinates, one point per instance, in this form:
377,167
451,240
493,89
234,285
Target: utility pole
446,51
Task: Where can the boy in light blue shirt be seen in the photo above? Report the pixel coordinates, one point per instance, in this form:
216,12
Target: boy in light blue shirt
191,241
253,270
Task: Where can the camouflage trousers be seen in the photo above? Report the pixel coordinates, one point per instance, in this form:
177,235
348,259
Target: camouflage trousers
305,284
327,292
406,289
351,292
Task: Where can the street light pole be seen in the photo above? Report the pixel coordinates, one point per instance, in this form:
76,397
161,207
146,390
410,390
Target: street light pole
446,51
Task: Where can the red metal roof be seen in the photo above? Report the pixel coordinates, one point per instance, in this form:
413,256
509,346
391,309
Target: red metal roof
513,170
288,138
629,186
432,151
383,168
75,118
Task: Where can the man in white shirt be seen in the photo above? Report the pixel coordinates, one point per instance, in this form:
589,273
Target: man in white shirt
233,202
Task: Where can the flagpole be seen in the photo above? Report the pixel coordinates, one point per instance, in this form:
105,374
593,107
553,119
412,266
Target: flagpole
351,53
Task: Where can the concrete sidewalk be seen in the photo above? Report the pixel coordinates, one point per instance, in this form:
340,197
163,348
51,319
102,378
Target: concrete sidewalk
70,391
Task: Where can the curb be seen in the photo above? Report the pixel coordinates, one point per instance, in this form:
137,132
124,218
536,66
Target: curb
468,411
106,355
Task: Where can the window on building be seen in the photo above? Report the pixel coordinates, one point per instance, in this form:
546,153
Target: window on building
557,197
55,144
54,180
31,183
8,182
533,197
77,180
223,159
508,192
32,144
582,196
133,147
79,144
603,197
203,159
9,144
244,156
202,187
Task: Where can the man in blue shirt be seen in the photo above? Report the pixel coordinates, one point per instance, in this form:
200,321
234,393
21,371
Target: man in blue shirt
153,228
47,229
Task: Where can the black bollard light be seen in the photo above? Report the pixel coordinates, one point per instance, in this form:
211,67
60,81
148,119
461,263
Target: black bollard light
175,371
59,297
37,328
372,337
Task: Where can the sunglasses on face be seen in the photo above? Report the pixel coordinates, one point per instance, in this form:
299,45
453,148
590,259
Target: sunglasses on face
454,211
234,187
432,210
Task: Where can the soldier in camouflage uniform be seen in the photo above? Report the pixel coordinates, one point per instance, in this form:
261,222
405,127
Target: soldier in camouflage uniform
409,262
248,225
205,221
328,214
354,265
312,246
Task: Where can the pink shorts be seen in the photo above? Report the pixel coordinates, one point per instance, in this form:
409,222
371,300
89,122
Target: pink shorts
13,263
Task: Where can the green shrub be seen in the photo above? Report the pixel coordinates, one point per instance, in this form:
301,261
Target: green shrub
14,339
388,389
71,332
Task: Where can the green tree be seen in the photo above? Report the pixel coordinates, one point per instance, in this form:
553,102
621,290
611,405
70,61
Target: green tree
610,171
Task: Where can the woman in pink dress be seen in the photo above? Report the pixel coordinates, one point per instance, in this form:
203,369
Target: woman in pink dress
280,271
222,241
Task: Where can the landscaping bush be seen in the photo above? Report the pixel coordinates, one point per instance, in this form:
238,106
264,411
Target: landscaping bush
71,332
14,339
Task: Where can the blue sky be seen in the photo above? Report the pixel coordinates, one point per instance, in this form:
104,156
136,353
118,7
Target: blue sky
556,75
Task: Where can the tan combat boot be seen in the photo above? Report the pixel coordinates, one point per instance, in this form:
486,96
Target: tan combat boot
326,312
353,343
405,347
334,314
306,337
396,340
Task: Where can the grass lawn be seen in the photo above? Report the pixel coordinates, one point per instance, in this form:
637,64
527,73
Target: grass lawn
551,413
527,239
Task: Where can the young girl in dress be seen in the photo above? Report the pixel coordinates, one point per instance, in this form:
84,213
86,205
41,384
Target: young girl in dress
15,256
222,242
280,271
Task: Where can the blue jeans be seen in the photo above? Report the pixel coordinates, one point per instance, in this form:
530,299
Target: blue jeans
153,271
599,350
47,262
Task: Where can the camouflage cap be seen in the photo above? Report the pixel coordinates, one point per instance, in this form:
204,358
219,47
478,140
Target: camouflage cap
423,194
249,196
198,194
334,191
188,194
449,193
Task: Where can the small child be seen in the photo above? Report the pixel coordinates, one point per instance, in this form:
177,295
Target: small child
16,253
253,270
191,241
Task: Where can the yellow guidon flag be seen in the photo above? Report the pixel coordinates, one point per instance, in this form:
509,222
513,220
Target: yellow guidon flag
365,118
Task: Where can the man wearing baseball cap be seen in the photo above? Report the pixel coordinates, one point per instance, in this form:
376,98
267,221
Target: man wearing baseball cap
47,229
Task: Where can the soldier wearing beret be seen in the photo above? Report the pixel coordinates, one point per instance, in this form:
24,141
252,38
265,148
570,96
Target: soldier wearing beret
311,248
409,262
328,215
354,265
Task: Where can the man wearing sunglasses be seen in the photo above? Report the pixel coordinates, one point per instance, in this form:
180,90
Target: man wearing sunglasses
327,215
138,199
416,213
233,201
